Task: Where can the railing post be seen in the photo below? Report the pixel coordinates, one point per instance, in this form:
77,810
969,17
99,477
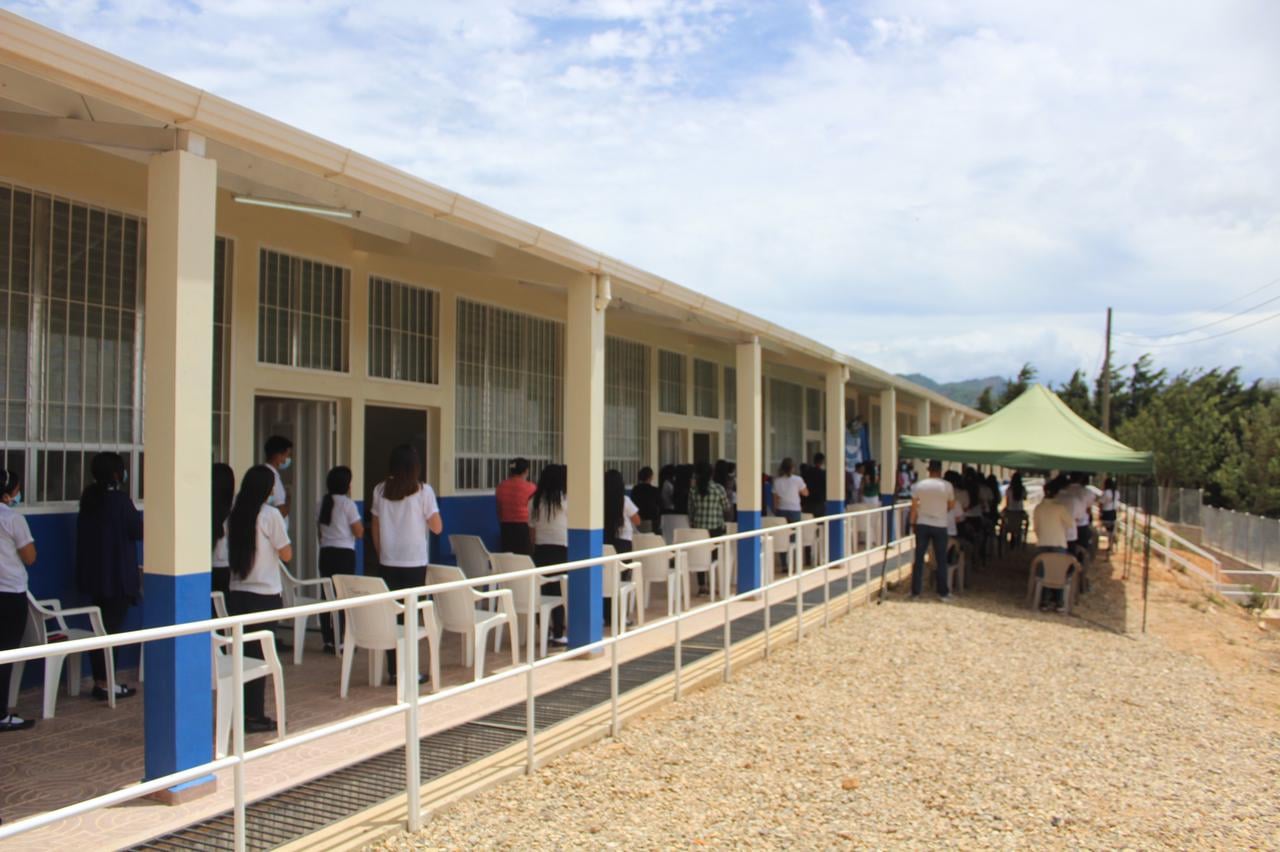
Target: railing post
826,578
797,550
728,662
237,733
681,568
766,582
409,694
615,726
531,654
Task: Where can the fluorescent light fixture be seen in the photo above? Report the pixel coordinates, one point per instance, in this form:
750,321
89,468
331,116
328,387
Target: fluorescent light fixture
316,209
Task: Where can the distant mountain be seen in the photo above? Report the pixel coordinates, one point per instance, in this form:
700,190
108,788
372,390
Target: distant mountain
965,392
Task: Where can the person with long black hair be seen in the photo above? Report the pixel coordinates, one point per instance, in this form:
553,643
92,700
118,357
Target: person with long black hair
621,517
224,494
257,542
708,505
404,512
549,531
1107,507
339,527
512,500
108,530
17,554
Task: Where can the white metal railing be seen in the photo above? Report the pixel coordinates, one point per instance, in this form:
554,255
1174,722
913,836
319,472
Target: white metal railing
864,524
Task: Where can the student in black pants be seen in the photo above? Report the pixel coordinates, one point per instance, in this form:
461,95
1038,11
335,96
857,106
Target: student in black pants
224,494
549,529
17,552
340,527
257,542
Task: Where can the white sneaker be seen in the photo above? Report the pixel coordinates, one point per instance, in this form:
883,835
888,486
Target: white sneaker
15,723
946,598
559,640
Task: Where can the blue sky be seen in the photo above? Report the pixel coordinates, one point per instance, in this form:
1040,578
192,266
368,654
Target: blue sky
945,187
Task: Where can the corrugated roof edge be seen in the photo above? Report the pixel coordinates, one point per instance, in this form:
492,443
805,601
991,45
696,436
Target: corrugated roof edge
84,68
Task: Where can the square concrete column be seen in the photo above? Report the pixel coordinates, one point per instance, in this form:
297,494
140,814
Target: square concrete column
584,453
836,377
178,377
750,461
888,449
924,426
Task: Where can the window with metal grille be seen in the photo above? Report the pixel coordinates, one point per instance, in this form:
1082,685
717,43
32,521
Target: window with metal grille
626,407
706,389
509,393
671,382
731,414
303,312
71,282
786,415
404,332
813,409
222,265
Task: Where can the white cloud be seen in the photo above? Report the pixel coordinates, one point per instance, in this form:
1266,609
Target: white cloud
938,186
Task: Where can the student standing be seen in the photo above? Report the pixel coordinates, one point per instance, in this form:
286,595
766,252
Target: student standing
788,489
339,527
108,530
648,501
257,542
512,497
932,501
17,552
815,482
621,517
549,530
1107,506
279,455
224,494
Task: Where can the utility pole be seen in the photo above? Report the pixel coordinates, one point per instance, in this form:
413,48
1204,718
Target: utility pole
1106,380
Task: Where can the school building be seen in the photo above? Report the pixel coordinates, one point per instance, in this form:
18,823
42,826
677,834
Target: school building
181,277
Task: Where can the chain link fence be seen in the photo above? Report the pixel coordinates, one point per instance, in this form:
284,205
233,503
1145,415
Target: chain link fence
1251,539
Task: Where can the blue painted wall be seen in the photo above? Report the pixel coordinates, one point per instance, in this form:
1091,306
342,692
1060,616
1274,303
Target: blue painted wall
472,514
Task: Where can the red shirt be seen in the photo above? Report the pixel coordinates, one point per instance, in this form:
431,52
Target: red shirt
513,500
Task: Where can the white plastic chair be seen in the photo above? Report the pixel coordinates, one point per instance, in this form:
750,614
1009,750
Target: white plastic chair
811,538
301,593
253,669
526,608
614,585
219,604
39,632
781,543
654,569
671,523
1053,571
698,560
458,614
473,556
374,628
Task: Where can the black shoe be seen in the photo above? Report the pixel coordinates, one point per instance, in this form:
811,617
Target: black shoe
260,725
15,723
421,679
122,691
330,650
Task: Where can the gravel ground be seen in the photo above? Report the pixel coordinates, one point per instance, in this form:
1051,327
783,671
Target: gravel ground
974,724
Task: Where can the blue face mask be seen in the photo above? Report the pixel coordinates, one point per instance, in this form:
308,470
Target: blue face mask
15,499
286,464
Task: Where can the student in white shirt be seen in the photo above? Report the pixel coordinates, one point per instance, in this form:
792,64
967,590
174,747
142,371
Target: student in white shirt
932,501
257,542
549,530
1052,521
339,527
621,517
278,452
17,552
1107,507
788,488
224,495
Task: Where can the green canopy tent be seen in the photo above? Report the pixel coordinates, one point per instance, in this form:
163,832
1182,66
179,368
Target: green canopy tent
1037,431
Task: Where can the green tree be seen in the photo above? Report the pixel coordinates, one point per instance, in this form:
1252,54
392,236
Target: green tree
1251,477
1119,396
985,403
1075,393
1145,384
1017,385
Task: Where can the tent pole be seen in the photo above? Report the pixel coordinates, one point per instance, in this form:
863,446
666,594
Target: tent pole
1146,560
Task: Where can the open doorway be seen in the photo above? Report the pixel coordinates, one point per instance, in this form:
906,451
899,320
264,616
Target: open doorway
705,447
384,429
312,425
670,447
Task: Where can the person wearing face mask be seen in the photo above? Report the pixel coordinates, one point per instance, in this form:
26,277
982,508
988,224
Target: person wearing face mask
108,530
17,552
279,454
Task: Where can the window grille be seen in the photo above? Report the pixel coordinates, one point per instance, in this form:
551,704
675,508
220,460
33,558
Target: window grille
626,407
71,293
813,409
706,390
222,266
509,393
786,414
404,332
731,414
303,312
671,382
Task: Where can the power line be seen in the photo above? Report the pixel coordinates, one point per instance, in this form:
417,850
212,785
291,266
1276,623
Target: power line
1203,339
1262,304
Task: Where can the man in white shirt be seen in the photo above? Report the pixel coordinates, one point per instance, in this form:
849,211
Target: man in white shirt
278,452
1083,511
1052,521
932,500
